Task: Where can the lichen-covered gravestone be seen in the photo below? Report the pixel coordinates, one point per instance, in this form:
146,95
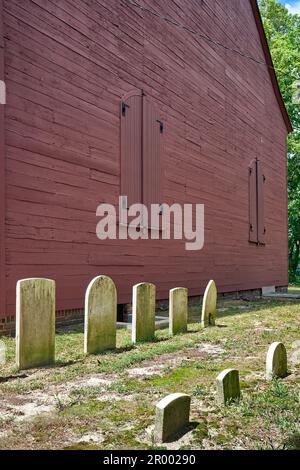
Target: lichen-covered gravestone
35,323
172,416
209,306
143,312
100,321
178,311
228,386
276,363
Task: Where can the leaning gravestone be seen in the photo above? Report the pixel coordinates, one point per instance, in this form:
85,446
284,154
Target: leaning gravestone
172,416
100,320
228,386
178,310
209,306
276,363
35,323
143,312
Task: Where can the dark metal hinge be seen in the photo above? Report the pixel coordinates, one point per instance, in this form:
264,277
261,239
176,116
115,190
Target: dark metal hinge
161,126
124,107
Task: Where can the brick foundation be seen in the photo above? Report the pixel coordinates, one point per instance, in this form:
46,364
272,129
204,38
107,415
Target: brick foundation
7,326
69,317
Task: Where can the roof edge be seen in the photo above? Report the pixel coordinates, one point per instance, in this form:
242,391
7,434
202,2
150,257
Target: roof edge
269,61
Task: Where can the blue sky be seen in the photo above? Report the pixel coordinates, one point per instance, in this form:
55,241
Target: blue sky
292,5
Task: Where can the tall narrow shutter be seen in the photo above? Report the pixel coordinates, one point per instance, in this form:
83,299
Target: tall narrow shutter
152,136
253,202
261,230
131,148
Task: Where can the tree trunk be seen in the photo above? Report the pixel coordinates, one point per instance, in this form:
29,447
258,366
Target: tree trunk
295,257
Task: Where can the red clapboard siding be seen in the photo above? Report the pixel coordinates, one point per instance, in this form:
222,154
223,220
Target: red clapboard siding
65,146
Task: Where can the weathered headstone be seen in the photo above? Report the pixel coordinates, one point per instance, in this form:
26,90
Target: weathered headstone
209,306
2,353
100,320
35,323
295,356
143,312
172,416
178,315
228,386
276,363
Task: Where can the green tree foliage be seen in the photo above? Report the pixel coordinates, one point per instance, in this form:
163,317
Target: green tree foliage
283,33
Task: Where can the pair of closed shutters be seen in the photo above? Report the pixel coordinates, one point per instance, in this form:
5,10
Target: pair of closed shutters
141,134
257,179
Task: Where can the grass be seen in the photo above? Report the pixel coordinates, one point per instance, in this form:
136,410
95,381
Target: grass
295,284
119,412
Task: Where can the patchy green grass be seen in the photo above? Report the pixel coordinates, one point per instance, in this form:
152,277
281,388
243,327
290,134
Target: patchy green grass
108,401
294,289
295,284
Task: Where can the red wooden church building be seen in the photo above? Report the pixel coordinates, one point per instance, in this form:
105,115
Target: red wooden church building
164,101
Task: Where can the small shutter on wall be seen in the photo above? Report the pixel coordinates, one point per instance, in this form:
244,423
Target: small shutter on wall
253,202
261,230
131,148
153,129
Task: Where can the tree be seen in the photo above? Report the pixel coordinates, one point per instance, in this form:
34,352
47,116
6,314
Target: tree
283,34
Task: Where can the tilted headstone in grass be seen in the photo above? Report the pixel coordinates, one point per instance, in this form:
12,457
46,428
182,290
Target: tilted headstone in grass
178,315
276,364
35,323
172,416
209,306
100,317
228,386
143,312
2,353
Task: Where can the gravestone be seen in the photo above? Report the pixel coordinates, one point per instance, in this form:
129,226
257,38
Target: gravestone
143,312
276,363
100,317
35,323
178,310
228,386
2,353
209,306
172,416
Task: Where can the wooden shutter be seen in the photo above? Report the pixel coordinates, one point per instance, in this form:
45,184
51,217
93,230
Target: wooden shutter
253,238
131,147
153,129
261,230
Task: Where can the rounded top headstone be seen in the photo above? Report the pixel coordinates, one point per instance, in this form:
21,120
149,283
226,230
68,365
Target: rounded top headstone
276,363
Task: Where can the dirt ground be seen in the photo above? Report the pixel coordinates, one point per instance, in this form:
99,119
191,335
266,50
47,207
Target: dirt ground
108,401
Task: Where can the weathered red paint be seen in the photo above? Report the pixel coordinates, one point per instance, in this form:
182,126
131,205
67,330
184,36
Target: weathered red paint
68,66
